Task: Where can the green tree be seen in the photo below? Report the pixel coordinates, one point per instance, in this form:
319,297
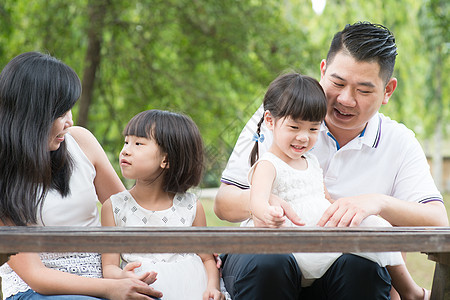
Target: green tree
210,59
434,26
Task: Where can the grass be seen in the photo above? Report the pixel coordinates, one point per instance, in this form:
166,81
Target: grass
421,269
211,219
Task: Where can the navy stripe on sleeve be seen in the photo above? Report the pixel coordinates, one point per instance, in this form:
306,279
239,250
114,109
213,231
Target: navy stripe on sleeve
232,182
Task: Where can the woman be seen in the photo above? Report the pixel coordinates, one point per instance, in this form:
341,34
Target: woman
53,174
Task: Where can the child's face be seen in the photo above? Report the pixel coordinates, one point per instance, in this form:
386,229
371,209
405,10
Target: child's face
141,158
293,138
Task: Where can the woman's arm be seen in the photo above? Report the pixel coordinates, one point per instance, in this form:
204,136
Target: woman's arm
213,285
106,181
52,282
48,281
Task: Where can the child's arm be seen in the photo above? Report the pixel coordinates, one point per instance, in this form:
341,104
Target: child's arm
111,261
264,174
213,286
327,195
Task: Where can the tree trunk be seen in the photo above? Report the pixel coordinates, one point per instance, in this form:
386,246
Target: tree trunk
96,12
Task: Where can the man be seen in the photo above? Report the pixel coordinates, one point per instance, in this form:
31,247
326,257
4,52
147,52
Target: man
371,164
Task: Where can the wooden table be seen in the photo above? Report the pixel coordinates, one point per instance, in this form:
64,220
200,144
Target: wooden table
435,241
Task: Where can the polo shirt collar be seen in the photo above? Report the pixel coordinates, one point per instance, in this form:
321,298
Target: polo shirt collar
370,136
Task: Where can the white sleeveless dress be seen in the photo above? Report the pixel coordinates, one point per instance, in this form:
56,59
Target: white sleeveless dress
180,275
77,209
304,190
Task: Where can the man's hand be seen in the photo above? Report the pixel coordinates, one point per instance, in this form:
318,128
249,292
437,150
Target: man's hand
351,211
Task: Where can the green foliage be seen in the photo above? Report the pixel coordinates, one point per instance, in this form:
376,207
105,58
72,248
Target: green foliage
214,59
434,26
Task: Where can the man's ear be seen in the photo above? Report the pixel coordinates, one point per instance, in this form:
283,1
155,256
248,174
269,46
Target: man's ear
389,90
323,68
269,120
165,162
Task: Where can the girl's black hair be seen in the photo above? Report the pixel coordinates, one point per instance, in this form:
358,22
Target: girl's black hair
178,136
35,90
293,95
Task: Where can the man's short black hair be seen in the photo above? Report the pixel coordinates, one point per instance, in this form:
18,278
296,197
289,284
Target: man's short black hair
369,42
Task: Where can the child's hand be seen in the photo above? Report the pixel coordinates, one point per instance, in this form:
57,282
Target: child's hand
128,272
218,260
273,216
288,211
213,293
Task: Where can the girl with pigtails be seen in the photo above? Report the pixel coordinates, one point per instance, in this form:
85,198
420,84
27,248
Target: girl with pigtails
294,109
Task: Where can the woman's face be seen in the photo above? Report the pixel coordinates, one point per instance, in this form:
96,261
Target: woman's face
59,129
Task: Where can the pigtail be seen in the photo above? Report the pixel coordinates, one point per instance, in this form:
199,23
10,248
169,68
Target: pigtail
254,155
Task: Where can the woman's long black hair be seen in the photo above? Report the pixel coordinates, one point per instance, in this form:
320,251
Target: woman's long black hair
35,90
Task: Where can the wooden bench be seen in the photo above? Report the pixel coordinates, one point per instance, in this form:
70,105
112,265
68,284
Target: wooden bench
434,241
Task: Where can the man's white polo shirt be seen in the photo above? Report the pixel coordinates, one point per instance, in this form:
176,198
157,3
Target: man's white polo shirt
385,159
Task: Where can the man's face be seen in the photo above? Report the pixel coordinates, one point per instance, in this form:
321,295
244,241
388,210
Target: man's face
355,92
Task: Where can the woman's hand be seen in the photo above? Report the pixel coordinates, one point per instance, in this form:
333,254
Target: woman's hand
128,272
132,288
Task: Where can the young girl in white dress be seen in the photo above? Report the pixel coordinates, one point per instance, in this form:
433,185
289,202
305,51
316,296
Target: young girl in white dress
295,106
163,152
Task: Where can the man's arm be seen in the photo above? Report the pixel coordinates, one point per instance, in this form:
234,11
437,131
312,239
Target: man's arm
414,199
351,211
402,213
232,203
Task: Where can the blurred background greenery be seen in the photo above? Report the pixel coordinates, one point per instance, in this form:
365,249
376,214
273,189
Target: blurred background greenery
214,59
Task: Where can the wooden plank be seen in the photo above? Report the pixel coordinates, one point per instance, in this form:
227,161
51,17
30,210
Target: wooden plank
223,239
443,258
441,279
440,289
434,240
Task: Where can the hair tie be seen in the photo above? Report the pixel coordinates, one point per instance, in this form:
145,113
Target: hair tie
258,137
